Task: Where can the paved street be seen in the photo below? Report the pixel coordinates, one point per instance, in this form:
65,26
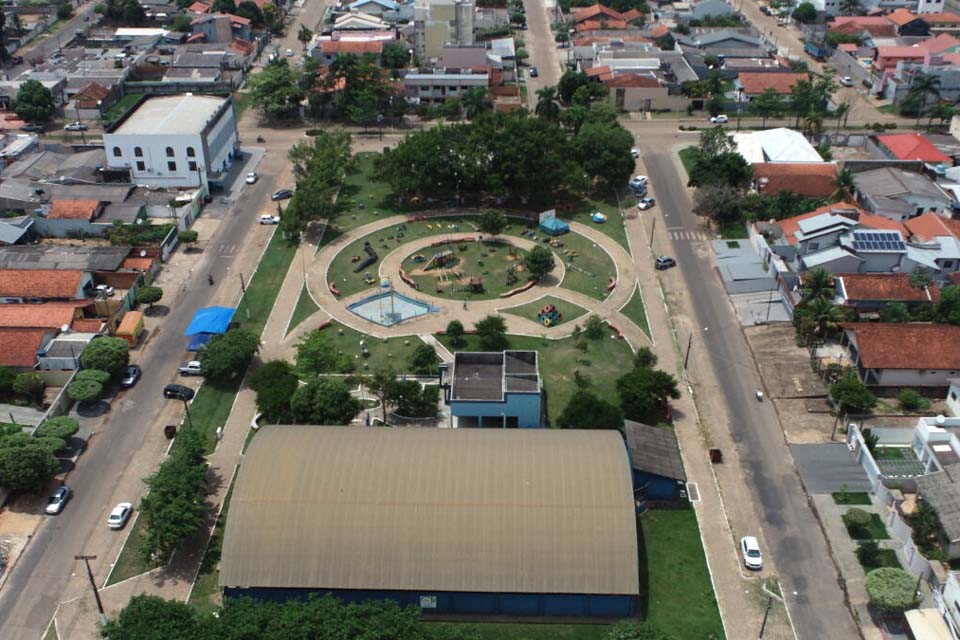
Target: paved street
796,544
541,47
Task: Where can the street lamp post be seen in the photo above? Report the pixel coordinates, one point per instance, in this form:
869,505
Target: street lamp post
380,125
93,584
739,105
186,408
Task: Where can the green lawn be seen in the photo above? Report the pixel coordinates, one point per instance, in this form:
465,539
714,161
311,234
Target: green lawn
264,285
130,563
305,308
210,409
604,362
873,531
204,595
687,157
676,592
241,102
121,107
362,188
851,497
889,453
635,310
383,351
498,265
734,231
568,311
607,204
886,558
588,268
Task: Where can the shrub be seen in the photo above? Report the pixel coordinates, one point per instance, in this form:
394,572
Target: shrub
455,331
187,237
108,354
595,327
858,523
84,390
62,427
868,553
891,590
7,376
149,295
910,400
29,386
97,375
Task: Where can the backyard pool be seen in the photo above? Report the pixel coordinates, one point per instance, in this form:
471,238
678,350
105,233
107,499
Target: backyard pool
389,308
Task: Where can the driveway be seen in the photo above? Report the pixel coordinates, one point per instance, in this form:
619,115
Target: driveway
825,468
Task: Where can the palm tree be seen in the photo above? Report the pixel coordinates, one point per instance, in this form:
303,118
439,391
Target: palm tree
475,101
943,111
813,122
842,112
768,104
851,7
817,284
548,104
823,317
844,184
924,85
305,35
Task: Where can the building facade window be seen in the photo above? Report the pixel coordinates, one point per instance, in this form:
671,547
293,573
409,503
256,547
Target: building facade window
117,153
172,166
192,165
137,151
191,153
169,152
141,166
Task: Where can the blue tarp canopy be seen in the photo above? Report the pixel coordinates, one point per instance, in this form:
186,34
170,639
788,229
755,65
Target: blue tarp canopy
555,226
210,320
199,341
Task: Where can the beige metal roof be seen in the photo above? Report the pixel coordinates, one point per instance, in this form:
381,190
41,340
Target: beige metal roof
482,510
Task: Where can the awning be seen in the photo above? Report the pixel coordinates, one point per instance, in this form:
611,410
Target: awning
210,320
927,624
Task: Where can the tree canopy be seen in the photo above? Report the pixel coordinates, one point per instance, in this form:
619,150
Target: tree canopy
227,356
948,307
892,590
316,355
277,90
34,102
319,167
851,394
644,394
325,401
424,360
107,354
492,331
539,261
275,383
585,410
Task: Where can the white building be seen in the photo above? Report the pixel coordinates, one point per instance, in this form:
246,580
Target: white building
440,22
175,141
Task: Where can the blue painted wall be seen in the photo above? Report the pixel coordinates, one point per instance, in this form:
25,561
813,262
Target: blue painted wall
658,487
525,604
525,407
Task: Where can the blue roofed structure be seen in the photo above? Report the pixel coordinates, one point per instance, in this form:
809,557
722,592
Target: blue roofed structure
210,320
554,226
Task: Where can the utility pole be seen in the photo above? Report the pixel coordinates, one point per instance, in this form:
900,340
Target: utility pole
243,291
766,613
652,228
93,584
186,408
686,358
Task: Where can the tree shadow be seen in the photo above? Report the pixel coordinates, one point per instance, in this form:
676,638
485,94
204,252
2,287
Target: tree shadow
156,311
643,602
93,409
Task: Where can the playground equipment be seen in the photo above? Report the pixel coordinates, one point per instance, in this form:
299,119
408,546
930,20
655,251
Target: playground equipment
417,259
549,316
598,217
372,257
440,260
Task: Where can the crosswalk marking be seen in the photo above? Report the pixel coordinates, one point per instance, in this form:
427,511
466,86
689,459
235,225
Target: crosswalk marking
225,249
688,235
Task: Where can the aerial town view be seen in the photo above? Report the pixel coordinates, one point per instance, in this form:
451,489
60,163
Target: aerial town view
479,320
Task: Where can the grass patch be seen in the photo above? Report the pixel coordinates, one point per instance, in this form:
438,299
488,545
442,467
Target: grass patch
604,362
856,497
204,596
241,102
875,530
263,287
889,109
588,267
121,107
210,409
889,453
382,351
498,265
733,231
885,558
675,588
635,310
608,204
305,308
496,631
688,156
130,563
531,310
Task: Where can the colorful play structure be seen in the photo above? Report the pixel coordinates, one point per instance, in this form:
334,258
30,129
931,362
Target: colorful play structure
549,316
440,260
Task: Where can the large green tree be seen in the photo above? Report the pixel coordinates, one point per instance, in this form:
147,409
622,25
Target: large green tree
805,13
948,307
603,150
548,105
316,354
325,401
492,222
892,590
27,467
277,90
585,410
107,354
275,383
768,104
319,167
644,394
248,9
34,102
852,395
539,261
492,332
424,360
227,356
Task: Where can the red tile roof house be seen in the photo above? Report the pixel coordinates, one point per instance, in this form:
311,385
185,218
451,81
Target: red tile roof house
70,217
40,285
330,50
753,84
871,292
893,355
912,146
598,12
25,328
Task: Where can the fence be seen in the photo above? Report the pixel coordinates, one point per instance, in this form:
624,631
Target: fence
172,88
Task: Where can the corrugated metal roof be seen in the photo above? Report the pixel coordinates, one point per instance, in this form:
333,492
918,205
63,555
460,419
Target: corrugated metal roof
476,510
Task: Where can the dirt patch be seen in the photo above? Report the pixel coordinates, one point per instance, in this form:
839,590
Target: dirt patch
14,522
784,367
800,424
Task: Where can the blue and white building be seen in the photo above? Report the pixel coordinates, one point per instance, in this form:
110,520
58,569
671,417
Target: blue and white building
493,389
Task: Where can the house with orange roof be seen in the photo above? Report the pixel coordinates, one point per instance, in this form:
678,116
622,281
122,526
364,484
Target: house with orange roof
878,351
887,58
941,22
39,285
598,12
812,179
871,292
876,26
753,84
329,50
908,23
912,146
930,225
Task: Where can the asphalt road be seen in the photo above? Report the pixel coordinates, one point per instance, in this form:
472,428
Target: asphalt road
542,49
47,573
47,46
808,577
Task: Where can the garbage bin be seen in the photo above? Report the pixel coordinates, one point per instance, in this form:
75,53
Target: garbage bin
170,431
716,456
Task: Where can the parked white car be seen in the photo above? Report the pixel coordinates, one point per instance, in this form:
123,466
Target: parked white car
252,177
635,152
720,119
846,81
119,516
268,219
750,548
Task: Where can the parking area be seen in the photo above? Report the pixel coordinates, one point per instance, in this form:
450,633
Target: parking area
826,468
